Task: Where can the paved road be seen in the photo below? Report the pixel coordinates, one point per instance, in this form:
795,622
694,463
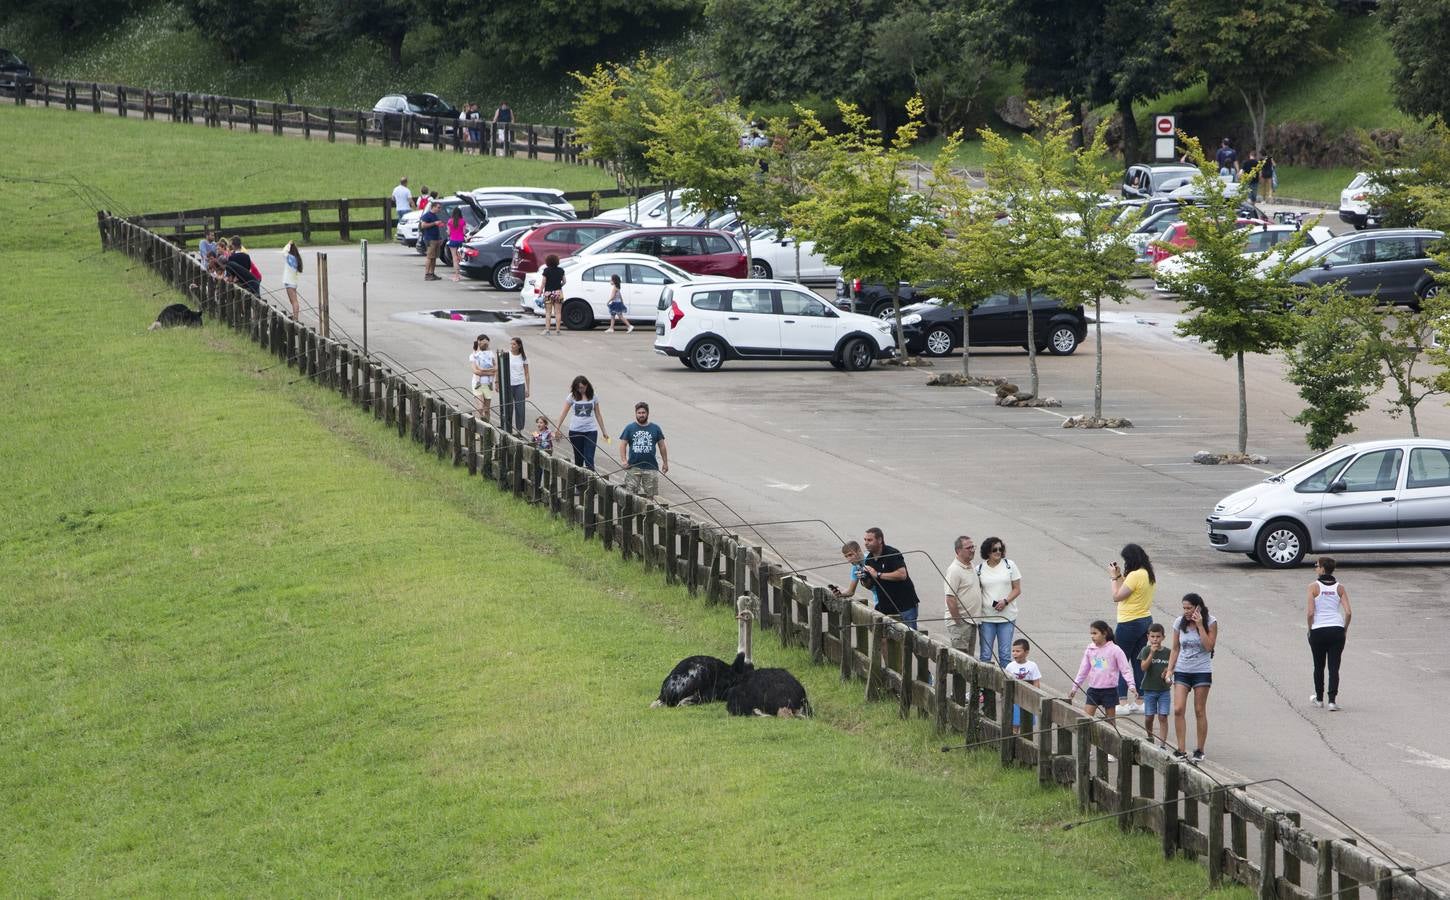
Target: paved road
785,442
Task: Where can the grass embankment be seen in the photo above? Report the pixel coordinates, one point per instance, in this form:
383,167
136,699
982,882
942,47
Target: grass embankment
253,643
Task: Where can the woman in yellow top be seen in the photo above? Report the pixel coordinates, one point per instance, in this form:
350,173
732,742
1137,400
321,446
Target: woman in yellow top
1133,585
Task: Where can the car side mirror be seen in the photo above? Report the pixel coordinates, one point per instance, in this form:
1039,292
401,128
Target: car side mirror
1338,487
1326,265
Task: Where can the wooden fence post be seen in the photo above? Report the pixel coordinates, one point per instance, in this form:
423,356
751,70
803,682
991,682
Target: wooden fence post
331,125
1171,777
306,222
848,641
252,116
1348,885
1082,751
816,609
344,225
1127,757
1006,743
276,120
1291,862
1268,855
1217,803
874,668
1046,716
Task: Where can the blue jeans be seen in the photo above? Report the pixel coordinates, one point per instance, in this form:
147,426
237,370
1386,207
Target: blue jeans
1132,637
999,633
908,617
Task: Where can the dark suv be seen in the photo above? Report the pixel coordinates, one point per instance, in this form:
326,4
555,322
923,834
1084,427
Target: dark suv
13,69
935,328
395,106
1393,264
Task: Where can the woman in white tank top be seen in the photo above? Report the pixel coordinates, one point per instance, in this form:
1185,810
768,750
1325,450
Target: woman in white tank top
1329,614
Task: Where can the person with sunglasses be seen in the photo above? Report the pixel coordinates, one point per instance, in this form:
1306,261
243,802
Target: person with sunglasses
1001,583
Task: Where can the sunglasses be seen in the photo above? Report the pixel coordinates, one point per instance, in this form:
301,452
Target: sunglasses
998,549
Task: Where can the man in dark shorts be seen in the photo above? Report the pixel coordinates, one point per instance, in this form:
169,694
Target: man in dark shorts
431,233
885,570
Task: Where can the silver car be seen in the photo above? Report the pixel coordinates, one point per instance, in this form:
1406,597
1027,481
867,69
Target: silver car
1387,496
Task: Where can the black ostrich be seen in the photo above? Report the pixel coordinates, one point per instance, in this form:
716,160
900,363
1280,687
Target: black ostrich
761,692
705,679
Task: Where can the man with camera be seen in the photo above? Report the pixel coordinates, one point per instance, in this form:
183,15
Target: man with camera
884,570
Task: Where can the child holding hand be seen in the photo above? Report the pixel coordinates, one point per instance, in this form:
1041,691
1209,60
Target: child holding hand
1102,663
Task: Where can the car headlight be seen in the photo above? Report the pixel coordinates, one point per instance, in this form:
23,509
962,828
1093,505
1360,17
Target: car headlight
883,327
1236,507
912,319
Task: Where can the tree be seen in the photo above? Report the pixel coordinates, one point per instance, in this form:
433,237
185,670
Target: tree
558,33
958,253
947,49
242,27
1410,185
612,109
787,167
1131,60
385,21
1399,340
1245,49
1332,365
1091,260
860,210
67,16
1236,303
1419,32
695,144
1027,180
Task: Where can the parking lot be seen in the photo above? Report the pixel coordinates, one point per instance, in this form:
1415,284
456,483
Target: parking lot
786,442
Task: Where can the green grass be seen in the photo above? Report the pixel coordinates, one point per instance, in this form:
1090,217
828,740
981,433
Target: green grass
254,644
1350,90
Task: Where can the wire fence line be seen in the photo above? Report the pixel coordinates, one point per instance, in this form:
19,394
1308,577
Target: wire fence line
1120,776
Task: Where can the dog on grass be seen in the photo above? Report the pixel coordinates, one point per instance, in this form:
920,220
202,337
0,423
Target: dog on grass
177,315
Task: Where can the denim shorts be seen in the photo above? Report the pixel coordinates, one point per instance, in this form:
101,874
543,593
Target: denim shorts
1157,703
1193,679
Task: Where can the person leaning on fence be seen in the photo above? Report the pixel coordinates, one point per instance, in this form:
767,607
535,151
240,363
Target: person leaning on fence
402,198
1103,663
582,419
851,551
637,446
963,596
242,270
503,117
206,248
885,570
519,390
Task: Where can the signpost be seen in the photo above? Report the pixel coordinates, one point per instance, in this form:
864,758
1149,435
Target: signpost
1164,129
365,294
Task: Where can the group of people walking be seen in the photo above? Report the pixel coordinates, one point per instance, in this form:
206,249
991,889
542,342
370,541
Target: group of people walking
1166,669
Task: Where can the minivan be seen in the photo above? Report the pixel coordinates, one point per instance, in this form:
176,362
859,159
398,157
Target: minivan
1393,264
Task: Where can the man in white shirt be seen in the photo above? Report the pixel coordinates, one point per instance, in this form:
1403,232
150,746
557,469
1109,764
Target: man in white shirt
963,596
402,198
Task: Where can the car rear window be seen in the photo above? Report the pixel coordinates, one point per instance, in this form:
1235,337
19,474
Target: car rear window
717,243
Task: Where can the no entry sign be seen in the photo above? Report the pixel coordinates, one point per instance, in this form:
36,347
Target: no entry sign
1164,128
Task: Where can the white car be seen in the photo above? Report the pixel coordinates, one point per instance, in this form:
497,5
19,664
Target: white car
1260,244
587,285
500,224
1355,201
547,196
707,321
773,256
649,211
407,232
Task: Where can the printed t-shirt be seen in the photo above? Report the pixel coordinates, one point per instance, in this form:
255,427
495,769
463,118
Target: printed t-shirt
581,415
1155,667
1025,671
1192,658
642,441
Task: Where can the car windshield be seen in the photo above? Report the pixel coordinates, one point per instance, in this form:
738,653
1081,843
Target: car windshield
10,59
1301,467
429,105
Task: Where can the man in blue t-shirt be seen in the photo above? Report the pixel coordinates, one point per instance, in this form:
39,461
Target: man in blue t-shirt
637,445
1227,159
431,233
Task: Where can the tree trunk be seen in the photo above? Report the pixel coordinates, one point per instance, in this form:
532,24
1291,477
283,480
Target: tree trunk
966,340
1414,421
1031,345
797,243
749,256
670,213
1243,407
1256,106
395,49
1131,138
896,316
1098,378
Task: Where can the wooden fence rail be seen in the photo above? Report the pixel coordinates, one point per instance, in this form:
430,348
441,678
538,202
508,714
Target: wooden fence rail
1238,838
532,141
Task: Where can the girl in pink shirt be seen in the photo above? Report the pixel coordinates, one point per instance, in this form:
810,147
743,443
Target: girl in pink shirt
1102,663
457,234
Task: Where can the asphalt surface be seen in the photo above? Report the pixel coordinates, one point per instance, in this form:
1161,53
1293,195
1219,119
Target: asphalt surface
778,442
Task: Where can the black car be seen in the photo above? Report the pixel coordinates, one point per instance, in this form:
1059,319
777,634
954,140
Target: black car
871,299
935,328
491,257
394,106
13,68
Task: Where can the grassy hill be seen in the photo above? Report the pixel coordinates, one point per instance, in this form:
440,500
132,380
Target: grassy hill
254,644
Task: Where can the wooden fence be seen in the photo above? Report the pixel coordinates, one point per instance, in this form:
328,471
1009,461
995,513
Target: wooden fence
1237,837
555,142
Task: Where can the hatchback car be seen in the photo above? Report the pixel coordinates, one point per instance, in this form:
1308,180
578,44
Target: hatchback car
935,327
702,251
1151,180
1393,264
560,240
1385,496
706,322
1356,202
394,106
587,287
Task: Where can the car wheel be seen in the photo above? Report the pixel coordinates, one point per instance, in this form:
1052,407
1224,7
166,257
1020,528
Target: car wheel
1281,545
939,341
1063,340
837,364
503,279
759,268
857,355
884,312
1252,555
707,356
578,316
1428,292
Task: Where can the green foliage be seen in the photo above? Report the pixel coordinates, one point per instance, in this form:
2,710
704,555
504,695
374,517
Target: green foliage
1331,364
384,21
1245,49
556,34
612,110
1236,304
860,211
696,144
948,50
69,16
243,27
1401,340
1412,183
1419,32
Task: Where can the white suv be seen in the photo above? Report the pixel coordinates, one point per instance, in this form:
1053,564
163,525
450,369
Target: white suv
708,321
1355,202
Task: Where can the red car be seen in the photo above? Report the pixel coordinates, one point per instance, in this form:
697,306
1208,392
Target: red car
1177,235
558,238
699,251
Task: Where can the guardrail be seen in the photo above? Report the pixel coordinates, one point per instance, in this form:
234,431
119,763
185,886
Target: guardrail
1237,837
532,141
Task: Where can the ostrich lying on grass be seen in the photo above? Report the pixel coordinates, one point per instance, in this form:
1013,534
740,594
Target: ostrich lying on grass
761,692
705,679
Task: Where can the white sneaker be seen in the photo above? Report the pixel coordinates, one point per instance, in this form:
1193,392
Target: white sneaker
1125,709
1316,702
1333,707
631,329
